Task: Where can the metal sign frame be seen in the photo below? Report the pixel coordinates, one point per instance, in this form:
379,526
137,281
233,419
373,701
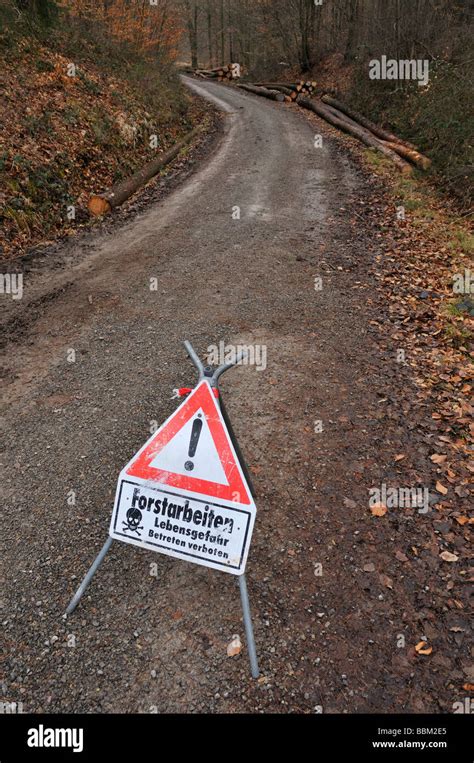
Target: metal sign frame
212,376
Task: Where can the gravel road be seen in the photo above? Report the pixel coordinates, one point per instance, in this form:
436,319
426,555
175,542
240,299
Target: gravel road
141,642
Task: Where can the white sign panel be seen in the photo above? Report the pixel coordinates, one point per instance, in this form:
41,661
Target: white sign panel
184,493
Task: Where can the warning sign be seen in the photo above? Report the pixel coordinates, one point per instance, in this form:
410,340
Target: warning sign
184,493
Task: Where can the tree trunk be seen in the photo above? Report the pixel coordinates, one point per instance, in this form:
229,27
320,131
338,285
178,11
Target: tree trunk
194,39
192,24
357,132
352,30
306,7
209,32
272,94
419,160
357,117
222,33
99,204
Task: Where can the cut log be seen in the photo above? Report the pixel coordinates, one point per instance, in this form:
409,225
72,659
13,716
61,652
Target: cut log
220,73
419,160
360,133
284,87
413,156
276,85
360,119
206,76
101,203
98,205
341,115
274,95
292,94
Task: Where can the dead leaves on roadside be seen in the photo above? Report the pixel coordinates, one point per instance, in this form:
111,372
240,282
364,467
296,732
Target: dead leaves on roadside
447,556
414,275
386,581
423,648
441,488
378,510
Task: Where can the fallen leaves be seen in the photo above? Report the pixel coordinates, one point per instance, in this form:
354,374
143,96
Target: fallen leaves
447,556
438,458
401,556
65,137
235,646
386,581
421,314
378,509
423,648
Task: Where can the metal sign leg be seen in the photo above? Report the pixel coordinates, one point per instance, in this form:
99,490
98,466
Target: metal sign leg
95,566
242,579
248,627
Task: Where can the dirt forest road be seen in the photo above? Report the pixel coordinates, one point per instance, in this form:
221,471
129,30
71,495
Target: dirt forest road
340,641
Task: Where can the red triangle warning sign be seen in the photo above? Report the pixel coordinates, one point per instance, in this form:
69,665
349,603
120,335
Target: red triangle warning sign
192,451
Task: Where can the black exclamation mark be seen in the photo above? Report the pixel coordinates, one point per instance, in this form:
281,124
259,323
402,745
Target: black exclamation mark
193,442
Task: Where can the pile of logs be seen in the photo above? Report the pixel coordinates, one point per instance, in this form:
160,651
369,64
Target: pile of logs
274,95
292,90
221,73
401,152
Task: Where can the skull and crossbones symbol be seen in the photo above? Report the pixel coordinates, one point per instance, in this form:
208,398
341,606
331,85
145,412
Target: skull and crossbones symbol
134,517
